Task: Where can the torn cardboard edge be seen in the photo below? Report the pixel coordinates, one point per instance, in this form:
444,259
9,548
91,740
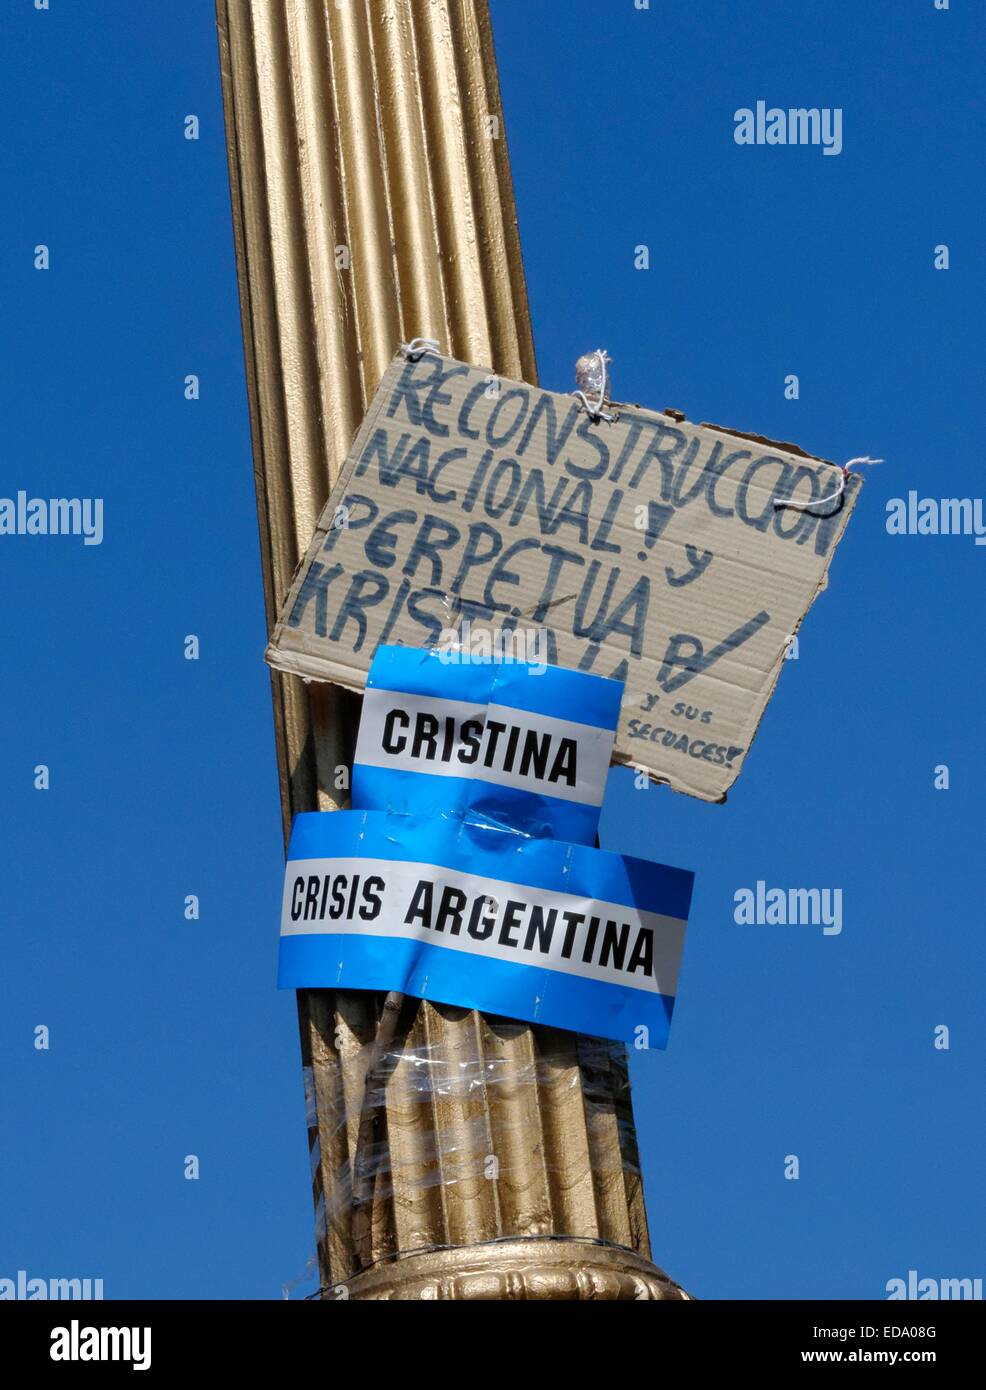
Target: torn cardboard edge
679,417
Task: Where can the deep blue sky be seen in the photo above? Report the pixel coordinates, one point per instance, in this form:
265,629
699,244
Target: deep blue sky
167,1036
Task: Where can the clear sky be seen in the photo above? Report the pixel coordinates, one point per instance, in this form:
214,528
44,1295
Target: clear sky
167,1037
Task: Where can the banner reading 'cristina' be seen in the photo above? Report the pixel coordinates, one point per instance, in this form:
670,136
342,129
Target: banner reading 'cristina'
516,744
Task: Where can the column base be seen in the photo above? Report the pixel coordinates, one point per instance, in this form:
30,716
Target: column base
559,1270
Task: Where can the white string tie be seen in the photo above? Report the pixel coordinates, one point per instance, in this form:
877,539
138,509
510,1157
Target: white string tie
833,496
419,347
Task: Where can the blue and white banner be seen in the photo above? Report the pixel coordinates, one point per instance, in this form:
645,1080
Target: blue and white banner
512,743
472,915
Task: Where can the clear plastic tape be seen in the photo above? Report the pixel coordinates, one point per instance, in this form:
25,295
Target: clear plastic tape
311,1109
426,1119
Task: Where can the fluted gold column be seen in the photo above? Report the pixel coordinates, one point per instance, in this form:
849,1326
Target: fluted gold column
372,203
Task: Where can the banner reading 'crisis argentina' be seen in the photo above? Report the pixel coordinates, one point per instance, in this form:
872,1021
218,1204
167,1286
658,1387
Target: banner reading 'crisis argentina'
518,744
467,914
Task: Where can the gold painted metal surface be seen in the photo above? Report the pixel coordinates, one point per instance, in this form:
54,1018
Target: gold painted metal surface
531,1270
372,203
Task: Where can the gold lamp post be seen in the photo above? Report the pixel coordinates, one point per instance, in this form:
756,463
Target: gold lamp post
454,1155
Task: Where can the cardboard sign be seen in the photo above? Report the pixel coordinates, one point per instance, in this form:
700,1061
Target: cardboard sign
514,744
483,918
644,548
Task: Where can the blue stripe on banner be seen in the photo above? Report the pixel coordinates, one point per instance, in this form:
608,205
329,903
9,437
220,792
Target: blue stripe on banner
422,793
549,690
561,693
453,977
502,854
